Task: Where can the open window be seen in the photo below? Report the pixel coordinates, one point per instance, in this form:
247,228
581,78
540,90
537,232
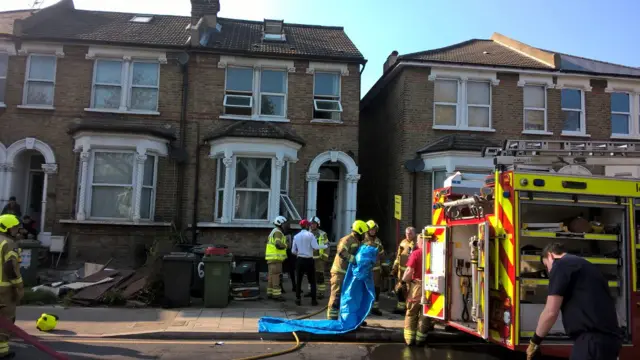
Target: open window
287,208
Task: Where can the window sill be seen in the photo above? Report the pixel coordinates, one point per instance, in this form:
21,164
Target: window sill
36,107
326,121
625,136
117,111
115,222
536,132
249,225
574,134
254,118
444,127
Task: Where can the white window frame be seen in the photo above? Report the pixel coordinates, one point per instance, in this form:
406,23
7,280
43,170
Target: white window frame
449,104
220,189
126,86
154,190
324,98
236,189
583,125
489,106
632,88
544,131
4,101
629,114
433,177
284,194
256,94
27,79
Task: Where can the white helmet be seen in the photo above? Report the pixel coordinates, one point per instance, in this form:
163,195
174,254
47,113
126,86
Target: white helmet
279,220
315,219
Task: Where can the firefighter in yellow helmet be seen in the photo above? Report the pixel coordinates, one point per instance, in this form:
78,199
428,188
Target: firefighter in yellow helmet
321,257
275,254
11,287
372,239
400,265
345,254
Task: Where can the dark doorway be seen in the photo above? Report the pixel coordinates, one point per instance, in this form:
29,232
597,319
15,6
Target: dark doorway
327,194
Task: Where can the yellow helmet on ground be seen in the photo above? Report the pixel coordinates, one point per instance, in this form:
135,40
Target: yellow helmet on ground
359,227
7,221
47,322
372,224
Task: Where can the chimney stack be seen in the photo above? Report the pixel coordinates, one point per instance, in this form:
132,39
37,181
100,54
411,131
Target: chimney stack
204,16
391,59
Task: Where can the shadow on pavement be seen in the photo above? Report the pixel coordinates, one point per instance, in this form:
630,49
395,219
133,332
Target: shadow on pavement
78,351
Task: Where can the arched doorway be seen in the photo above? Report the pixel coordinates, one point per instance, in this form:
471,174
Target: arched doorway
332,187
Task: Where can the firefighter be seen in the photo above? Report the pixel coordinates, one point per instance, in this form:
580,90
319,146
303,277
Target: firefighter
346,253
275,254
416,325
372,240
321,257
400,265
11,287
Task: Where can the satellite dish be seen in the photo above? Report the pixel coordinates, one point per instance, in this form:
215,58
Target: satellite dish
574,170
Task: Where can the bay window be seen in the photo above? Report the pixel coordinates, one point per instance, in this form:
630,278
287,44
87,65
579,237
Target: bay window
252,189
287,209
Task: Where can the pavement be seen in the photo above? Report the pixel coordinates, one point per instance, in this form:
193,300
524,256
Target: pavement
89,349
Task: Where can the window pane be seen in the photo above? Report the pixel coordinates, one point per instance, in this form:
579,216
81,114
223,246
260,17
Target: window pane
144,99
42,67
534,120
149,171
272,81
253,173
478,93
113,168
620,102
221,174
106,97
111,202
220,197
272,105
145,203
3,86
327,105
252,205
145,74
284,177
478,117
326,115
4,64
438,179
446,91
571,121
445,115
534,96
619,124
240,79
109,72
571,99
238,100
327,84
39,93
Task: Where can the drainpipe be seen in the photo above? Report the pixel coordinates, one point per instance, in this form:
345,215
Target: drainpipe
194,222
183,60
414,166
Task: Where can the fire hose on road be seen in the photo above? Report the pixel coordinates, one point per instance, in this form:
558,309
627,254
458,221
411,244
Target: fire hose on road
29,339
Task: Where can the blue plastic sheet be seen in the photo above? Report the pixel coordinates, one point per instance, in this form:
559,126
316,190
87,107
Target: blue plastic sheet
357,297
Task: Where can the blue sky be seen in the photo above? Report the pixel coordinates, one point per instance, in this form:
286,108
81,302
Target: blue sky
596,29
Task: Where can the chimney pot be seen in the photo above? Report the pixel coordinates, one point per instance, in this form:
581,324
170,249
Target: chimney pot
391,59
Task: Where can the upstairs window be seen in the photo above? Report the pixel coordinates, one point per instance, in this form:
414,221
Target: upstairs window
326,96
255,92
446,102
273,30
462,104
572,101
4,67
126,85
620,114
478,104
535,108
40,80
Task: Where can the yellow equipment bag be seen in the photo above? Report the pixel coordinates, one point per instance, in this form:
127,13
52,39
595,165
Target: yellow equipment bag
47,322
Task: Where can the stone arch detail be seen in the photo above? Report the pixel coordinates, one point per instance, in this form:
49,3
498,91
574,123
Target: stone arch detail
333,156
30,144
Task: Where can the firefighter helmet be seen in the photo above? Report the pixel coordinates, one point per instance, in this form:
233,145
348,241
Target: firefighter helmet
7,221
359,227
279,221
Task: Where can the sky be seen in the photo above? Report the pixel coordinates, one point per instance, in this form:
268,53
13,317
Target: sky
603,30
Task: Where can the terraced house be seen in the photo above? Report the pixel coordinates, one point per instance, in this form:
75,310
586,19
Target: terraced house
437,109
114,127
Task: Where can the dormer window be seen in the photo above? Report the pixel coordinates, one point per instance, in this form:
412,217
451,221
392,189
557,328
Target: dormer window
274,30
141,19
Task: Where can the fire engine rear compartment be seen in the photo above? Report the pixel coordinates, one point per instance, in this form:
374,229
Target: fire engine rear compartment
608,250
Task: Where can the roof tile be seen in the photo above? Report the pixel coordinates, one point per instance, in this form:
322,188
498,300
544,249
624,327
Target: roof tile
460,142
258,129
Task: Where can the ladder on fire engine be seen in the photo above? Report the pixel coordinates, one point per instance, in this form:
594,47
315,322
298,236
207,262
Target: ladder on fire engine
544,154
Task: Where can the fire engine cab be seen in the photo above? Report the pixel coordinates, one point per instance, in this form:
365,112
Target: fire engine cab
483,271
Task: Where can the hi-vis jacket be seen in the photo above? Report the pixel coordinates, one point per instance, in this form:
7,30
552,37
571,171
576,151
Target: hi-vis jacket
346,253
375,242
276,246
322,239
10,269
402,256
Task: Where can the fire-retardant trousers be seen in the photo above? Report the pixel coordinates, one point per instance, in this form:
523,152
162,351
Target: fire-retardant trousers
333,308
416,326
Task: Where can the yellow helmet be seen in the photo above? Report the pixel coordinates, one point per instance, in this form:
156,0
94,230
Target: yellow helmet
372,224
47,322
7,221
359,227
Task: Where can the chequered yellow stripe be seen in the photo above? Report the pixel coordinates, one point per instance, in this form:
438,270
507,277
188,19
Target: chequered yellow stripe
436,215
436,307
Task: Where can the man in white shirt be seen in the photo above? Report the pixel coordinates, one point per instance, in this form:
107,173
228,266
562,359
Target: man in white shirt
303,245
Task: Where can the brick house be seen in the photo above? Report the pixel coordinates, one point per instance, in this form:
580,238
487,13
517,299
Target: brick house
435,110
115,127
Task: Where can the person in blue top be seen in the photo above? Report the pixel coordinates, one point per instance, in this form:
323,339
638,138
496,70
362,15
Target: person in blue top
578,289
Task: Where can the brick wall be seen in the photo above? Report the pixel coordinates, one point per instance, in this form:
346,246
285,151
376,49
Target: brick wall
402,115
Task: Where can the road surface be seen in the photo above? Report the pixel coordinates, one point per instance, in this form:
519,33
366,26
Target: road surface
85,349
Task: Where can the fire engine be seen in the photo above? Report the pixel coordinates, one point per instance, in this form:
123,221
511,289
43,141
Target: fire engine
482,268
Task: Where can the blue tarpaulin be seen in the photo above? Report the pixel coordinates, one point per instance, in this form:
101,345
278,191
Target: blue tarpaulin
357,297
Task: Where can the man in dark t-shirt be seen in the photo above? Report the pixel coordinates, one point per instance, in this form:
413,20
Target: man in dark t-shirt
580,290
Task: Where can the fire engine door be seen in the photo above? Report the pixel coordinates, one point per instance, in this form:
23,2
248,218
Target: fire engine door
482,281
434,261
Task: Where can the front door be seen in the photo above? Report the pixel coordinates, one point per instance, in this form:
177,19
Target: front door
327,192
34,195
434,260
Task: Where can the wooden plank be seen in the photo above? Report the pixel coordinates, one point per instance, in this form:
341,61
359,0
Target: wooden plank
102,274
